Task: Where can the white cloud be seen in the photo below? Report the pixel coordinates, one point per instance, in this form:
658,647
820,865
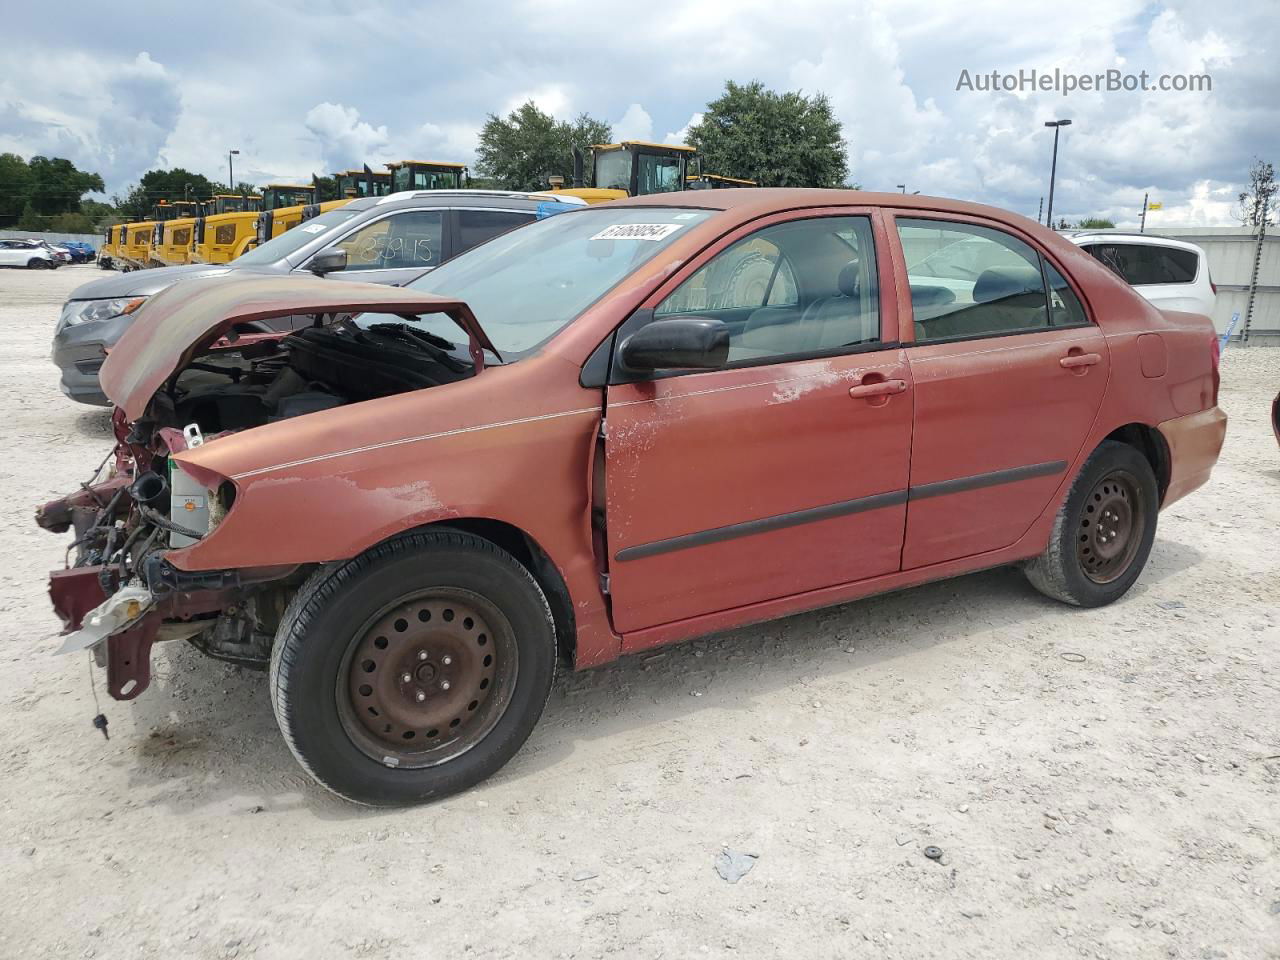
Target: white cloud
636,124
344,139
682,135
117,128
889,67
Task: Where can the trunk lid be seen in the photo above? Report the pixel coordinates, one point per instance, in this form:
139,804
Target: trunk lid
181,320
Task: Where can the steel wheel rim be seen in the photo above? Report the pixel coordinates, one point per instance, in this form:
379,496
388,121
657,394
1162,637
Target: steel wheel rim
407,710
1111,529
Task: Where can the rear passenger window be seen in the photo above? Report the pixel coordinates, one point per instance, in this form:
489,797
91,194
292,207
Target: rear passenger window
971,281
477,226
1064,306
1143,264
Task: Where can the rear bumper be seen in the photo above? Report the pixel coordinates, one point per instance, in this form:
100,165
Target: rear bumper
1194,442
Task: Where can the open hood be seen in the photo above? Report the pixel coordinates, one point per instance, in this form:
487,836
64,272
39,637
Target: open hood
181,320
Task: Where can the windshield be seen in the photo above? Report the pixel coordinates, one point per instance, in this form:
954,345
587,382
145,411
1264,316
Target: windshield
526,285
280,247
613,170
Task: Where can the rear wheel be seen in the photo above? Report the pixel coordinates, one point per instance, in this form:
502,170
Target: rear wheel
35,263
415,670
1103,533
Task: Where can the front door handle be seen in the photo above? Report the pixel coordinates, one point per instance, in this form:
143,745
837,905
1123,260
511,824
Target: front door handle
1074,360
880,388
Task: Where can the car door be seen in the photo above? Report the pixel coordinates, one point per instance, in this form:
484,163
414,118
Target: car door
786,470
8,255
1008,372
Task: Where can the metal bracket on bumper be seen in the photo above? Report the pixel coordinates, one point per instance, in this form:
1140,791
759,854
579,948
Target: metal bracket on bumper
129,658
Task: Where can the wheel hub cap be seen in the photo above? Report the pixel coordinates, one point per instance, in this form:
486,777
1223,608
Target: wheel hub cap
420,677
1111,528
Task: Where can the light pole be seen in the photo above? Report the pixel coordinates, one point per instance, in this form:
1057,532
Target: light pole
1053,169
231,174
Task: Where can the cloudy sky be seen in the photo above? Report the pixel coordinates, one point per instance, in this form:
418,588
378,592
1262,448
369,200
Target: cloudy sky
318,86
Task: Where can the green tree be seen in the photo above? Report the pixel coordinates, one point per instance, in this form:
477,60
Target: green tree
15,187
31,220
1260,195
521,151
775,139
71,223
171,185
57,186
1095,223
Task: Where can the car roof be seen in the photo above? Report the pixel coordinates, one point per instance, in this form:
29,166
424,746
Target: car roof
758,201
450,198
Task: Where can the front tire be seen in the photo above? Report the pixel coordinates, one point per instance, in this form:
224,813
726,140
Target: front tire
415,670
1104,530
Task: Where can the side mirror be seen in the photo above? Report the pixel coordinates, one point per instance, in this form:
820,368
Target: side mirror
679,343
328,261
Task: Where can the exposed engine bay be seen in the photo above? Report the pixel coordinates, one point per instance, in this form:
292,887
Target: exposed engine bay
141,503
313,369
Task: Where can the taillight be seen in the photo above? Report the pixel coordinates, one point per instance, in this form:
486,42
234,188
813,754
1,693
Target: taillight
1215,350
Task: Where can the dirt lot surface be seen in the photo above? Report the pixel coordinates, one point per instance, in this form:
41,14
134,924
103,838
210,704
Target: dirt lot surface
1101,783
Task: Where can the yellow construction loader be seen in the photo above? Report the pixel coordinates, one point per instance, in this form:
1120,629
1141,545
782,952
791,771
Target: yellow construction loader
227,228
632,168
171,246
711,181
135,247
422,175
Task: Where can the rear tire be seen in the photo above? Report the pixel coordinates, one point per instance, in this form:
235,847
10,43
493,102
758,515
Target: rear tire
1103,533
415,670
35,263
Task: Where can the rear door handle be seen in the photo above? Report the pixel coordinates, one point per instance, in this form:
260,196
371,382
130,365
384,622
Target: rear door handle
1080,360
881,388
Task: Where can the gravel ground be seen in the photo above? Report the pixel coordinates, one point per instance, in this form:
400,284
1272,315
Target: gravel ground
1101,783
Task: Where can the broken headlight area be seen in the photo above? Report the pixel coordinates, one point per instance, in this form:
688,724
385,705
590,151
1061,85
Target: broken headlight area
119,593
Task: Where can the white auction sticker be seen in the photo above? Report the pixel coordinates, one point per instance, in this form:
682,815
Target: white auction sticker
638,231
314,228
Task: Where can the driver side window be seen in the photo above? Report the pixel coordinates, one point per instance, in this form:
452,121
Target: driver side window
805,287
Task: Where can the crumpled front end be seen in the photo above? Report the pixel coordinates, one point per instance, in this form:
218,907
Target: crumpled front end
118,593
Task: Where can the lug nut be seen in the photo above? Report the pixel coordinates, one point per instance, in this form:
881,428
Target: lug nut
446,660
444,684
406,677
419,696
422,654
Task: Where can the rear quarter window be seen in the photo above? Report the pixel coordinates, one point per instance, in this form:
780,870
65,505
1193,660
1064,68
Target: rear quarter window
1141,264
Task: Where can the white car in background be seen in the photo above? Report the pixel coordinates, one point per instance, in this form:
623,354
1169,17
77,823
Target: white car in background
27,253
1172,274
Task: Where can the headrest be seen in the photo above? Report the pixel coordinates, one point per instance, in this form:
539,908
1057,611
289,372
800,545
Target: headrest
997,283
847,281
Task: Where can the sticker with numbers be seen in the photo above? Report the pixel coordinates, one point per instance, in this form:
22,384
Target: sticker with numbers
638,231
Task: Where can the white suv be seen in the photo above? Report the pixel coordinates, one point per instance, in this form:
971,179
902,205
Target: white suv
1172,274
27,253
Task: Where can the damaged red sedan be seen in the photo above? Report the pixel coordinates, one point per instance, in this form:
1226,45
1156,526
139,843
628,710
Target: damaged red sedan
607,431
